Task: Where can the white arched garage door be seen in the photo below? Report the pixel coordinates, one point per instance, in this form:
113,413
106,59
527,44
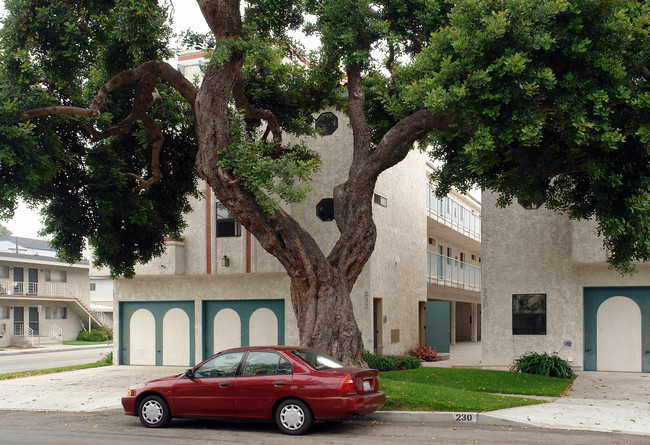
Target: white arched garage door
142,342
176,338
619,335
227,330
263,328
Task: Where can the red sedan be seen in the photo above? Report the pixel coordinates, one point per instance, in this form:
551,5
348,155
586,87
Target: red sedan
291,385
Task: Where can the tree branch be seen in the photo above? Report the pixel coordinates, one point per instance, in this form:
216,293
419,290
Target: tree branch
241,101
360,128
146,95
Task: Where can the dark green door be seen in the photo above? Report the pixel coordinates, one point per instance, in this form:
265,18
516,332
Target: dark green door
437,330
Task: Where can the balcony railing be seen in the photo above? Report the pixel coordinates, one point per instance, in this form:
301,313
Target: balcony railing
39,289
448,271
453,214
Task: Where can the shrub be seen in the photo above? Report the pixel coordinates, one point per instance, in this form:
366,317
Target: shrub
424,353
543,364
97,333
391,362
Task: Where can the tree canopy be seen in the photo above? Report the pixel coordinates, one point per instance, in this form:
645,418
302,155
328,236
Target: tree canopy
522,97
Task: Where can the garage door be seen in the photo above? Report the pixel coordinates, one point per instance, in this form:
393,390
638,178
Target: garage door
234,323
617,329
157,333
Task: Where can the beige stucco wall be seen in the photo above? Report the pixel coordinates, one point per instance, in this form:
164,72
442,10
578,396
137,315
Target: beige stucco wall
540,251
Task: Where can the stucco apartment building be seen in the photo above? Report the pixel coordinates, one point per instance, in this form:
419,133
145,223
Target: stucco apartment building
546,283
216,287
42,300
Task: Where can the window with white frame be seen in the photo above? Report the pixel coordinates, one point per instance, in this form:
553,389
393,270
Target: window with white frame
93,287
56,276
4,312
56,313
4,272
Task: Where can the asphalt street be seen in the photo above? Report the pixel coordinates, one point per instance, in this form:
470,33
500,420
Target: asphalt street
54,428
44,360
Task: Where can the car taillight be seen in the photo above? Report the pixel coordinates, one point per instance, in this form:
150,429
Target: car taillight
347,384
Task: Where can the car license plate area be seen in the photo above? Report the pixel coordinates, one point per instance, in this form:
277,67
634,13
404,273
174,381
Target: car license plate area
366,385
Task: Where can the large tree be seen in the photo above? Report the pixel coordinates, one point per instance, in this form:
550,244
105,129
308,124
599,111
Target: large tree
523,97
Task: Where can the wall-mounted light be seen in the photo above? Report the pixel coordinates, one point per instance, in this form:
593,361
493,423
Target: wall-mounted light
225,261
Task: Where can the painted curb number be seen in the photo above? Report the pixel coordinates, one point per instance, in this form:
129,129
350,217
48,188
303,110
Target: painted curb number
465,417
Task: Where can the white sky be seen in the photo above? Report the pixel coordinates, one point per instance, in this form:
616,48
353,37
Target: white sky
187,14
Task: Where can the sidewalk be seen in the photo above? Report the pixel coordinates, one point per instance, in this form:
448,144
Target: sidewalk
598,401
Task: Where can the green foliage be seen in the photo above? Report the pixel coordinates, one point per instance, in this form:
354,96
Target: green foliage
551,99
97,333
4,231
263,172
543,364
390,362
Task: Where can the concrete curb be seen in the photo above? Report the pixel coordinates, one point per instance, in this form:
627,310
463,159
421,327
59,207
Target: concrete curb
52,349
441,416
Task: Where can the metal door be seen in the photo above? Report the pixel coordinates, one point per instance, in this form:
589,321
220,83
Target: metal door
19,320
437,326
32,278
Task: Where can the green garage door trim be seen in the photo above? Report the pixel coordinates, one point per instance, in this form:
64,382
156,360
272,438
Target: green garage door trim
244,309
158,309
593,298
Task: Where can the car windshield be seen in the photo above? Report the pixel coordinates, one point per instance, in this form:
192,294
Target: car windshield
318,360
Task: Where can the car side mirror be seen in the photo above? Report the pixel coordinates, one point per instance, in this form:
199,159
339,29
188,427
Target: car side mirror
189,373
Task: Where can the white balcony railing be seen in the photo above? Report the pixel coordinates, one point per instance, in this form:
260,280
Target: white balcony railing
448,271
453,214
39,289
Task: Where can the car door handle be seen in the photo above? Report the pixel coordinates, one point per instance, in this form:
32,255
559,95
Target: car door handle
279,383
224,384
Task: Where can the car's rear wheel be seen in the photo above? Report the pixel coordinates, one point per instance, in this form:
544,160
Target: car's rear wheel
293,416
154,412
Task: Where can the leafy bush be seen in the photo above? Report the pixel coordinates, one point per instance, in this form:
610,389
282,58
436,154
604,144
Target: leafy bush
424,353
97,333
391,362
543,364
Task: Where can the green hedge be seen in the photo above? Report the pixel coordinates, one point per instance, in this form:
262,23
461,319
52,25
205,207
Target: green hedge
391,362
97,333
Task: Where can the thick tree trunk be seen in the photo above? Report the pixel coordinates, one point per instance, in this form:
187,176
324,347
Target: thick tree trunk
325,316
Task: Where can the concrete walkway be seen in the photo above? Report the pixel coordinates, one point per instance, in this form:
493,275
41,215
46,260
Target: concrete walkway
598,401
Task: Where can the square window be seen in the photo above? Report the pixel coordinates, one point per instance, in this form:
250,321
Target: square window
381,200
227,225
529,314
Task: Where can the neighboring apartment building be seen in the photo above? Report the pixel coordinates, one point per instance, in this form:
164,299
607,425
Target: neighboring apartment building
546,282
41,299
217,288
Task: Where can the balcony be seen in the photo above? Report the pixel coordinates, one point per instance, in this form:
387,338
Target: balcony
38,289
452,214
447,271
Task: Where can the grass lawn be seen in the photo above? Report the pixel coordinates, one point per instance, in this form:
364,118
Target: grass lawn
77,342
455,389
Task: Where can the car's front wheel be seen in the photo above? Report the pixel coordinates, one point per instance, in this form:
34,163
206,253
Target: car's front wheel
293,416
154,412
